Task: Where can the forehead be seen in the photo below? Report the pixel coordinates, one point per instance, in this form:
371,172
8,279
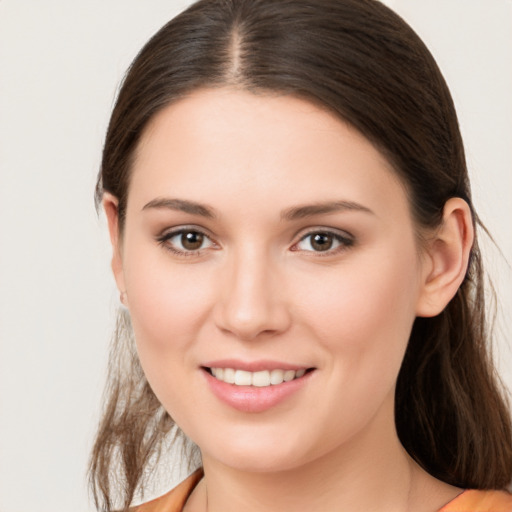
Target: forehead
217,144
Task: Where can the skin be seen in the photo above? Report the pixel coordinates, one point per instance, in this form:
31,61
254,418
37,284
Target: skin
257,289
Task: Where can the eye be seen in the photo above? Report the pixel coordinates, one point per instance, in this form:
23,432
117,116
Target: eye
186,241
323,241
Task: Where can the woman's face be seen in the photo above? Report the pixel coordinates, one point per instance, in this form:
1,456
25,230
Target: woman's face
265,240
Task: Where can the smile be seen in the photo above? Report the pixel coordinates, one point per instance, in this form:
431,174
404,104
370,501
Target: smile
259,379
258,390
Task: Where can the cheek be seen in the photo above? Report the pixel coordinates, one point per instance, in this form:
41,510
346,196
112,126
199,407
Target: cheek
364,314
168,305
362,320
167,311
161,292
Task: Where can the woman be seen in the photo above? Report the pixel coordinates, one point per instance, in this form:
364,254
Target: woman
294,244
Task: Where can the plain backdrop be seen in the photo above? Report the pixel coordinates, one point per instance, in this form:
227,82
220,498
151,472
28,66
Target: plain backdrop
60,65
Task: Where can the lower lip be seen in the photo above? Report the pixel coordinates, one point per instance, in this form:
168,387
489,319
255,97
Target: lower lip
253,398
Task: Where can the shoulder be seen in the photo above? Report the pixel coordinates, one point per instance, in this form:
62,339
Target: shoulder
480,501
174,500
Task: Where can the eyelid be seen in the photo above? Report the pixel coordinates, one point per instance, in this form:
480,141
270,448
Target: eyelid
342,233
346,239
169,233
182,227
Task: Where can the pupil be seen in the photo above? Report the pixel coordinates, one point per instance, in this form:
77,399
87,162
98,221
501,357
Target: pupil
192,240
321,242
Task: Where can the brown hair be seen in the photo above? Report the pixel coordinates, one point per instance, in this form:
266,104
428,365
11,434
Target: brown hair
365,64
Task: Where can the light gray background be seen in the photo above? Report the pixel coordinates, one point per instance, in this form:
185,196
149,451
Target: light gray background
60,63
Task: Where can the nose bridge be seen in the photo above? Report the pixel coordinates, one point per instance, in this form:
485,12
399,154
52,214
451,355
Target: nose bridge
250,303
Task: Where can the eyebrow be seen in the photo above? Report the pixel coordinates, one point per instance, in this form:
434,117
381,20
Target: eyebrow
181,205
290,214
309,210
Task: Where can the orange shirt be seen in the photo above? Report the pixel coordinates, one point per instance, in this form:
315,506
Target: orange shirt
468,501
480,501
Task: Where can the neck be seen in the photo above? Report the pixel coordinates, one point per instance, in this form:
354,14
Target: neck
362,485
370,472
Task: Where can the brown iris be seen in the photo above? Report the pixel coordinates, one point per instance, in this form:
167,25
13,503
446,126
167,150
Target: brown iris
321,241
192,240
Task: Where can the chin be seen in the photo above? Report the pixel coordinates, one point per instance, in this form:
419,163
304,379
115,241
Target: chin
254,461
257,451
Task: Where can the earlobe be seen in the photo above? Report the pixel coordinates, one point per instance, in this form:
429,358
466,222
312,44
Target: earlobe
110,205
447,257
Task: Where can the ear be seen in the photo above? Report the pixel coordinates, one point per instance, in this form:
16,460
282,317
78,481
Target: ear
446,258
110,205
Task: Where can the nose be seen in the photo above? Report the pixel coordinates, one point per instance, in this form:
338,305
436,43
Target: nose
252,301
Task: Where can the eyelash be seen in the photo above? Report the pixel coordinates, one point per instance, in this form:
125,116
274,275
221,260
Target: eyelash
164,239
345,241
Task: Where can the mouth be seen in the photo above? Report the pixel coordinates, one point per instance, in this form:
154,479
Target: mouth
260,379
256,386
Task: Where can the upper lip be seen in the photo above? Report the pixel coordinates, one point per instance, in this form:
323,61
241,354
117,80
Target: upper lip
254,366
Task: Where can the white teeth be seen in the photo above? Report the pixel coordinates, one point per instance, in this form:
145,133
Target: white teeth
229,375
218,373
289,375
260,379
276,377
243,378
